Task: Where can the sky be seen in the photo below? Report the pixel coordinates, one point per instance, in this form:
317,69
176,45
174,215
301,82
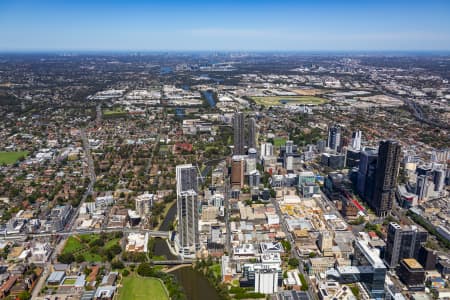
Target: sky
245,25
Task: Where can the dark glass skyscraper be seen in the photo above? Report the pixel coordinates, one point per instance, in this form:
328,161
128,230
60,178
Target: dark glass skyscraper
239,133
366,174
334,138
403,242
388,163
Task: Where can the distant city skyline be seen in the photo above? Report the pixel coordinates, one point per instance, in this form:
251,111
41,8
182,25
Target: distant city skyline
324,25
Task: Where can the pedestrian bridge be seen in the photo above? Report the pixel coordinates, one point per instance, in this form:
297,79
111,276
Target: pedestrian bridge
173,262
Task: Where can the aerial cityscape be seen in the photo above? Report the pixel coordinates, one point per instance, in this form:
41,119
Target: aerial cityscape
169,168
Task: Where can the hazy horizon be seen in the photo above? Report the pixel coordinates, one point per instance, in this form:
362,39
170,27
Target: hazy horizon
255,26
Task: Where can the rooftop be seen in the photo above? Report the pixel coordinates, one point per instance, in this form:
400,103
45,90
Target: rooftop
412,263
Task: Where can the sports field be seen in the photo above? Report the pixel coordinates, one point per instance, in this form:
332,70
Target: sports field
280,100
141,288
115,112
11,157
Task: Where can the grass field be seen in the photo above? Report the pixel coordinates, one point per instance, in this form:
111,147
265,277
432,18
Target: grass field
11,157
115,112
111,243
79,244
141,288
281,100
278,142
92,257
163,148
69,281
72,245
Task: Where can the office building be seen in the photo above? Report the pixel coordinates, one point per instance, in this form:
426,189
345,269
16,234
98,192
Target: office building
366,174
424,187
188,215
333,161
239,133
367,268
334,138
441,156
356,140
427,258
265,278
266,150
388,164
58,218
403,242
237,170
252,153
405,198
143,204
217,200
325,243
352,158
289,146
250,165
254,178
371,278
187,209
424,170
439,179
186,176
308,190
412,274
321,144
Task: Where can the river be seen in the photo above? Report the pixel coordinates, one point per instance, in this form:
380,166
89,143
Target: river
195,285
209,96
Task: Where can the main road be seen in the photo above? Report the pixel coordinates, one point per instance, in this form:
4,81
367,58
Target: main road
68,229
294,253
92,178
63,234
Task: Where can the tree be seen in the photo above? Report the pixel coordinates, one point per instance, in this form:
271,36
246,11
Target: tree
66,258
145,269
117,264
293,262
25,295
355,290
115,249
125,273
79,258
286,245
272,193
357,221
304,282
97,242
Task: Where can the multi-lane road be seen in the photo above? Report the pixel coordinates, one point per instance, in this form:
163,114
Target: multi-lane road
294,252
66,233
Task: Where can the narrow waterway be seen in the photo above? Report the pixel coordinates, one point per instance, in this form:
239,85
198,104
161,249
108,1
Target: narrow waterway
195,285
209,96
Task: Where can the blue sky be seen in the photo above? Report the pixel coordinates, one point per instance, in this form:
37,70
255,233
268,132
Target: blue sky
327,25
